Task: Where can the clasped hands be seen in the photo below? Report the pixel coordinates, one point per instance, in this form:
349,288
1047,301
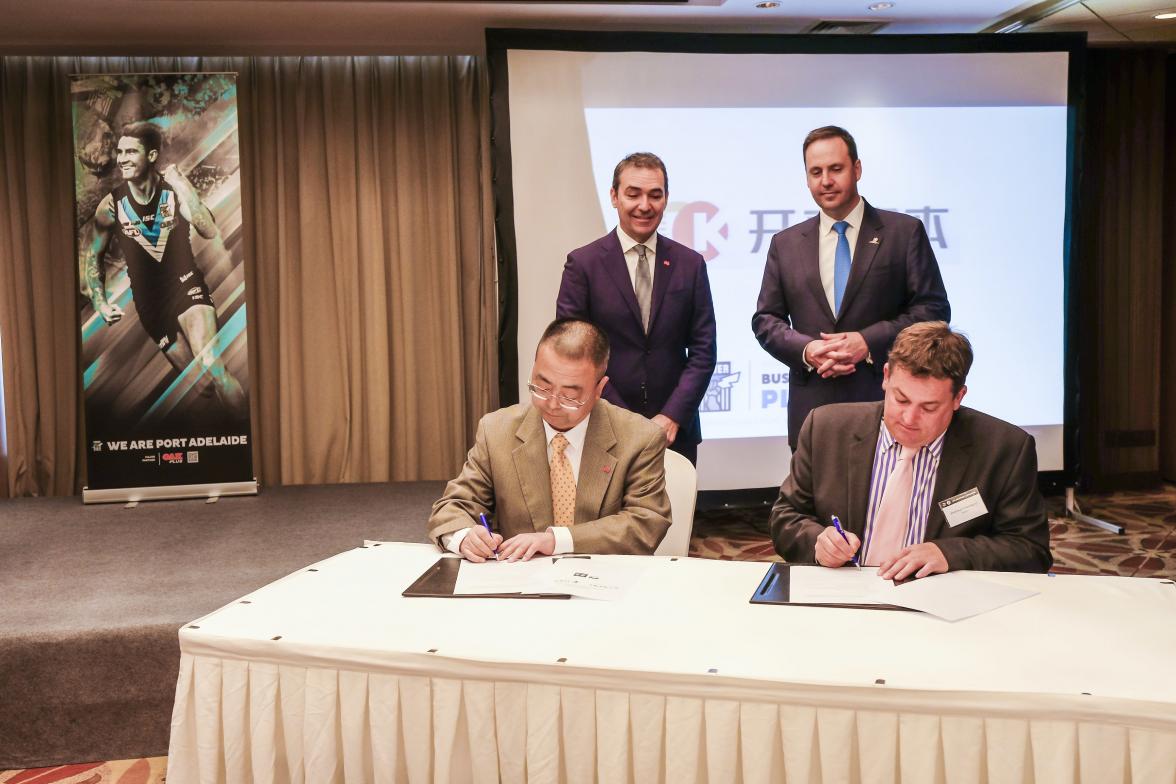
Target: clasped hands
479,545
836,353
918,560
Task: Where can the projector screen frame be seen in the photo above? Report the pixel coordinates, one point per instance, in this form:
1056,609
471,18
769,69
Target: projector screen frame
500,40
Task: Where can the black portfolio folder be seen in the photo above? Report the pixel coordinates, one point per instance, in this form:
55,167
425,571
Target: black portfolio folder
439,580
773,589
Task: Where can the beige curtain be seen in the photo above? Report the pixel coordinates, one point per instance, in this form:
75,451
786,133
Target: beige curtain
38,284
3,423
373,278
369,255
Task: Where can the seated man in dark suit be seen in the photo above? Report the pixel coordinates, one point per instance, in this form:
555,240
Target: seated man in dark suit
565,472
919,484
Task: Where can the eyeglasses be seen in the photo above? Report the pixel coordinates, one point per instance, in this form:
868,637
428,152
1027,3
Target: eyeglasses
564,402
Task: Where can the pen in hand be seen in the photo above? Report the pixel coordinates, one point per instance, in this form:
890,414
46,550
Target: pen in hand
486,525
840,530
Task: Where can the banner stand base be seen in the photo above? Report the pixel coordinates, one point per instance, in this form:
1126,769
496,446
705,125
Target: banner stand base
130,495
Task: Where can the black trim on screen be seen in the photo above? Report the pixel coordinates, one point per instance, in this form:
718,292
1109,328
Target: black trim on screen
1071,279
502,184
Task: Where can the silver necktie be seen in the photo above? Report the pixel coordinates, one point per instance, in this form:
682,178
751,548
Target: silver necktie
643,287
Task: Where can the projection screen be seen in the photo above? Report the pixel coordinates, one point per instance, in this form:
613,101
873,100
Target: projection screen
976,144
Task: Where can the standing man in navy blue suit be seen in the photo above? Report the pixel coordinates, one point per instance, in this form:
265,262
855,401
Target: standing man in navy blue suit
839,287
652,296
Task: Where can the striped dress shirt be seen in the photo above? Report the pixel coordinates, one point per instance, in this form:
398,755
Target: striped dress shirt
926,467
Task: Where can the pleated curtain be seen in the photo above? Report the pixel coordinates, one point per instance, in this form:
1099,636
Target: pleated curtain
369,265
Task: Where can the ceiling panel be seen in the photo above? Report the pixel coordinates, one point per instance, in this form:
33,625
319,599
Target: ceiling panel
1113,21
453,26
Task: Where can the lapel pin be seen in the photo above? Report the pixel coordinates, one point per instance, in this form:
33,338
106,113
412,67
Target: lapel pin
606,469
874,241
665,262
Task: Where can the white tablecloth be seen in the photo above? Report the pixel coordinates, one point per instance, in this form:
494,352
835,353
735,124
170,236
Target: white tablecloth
330,675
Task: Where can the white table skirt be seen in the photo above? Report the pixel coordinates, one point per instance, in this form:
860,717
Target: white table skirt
350,692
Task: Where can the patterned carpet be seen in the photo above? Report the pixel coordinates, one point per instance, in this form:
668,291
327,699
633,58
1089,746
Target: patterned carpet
1147,549
140,771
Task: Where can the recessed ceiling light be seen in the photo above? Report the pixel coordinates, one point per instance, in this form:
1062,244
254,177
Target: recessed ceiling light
879,6
768,4
1170,15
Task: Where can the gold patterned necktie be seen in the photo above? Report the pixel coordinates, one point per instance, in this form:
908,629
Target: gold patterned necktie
643,287
563,484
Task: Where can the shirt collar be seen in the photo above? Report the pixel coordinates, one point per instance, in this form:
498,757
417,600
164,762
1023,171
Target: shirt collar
854,218
575,436
888,442
628,243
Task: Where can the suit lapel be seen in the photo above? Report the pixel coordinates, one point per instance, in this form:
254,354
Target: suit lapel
612,258
863,254
810,238
597,464
863,443
530,460
953,463
661,277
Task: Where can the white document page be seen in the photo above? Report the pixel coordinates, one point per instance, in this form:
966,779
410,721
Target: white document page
847,585
594,578
954,596
502,577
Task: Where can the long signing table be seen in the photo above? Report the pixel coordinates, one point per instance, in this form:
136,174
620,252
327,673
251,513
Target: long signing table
330,675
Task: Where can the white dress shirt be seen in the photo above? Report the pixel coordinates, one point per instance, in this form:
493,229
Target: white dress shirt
827,247
573,452
629,248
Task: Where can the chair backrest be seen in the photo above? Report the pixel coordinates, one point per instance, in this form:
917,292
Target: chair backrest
682,488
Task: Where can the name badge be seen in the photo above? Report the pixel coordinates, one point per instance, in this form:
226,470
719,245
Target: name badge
961,508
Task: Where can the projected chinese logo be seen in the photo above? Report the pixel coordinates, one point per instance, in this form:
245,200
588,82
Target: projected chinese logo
693,232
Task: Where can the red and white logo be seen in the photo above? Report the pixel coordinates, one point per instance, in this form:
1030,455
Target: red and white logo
686,224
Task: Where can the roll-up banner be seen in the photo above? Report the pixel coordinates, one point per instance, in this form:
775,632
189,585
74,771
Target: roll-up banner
161,268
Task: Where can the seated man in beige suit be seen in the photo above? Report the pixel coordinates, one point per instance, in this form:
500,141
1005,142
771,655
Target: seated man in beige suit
567,472
919,483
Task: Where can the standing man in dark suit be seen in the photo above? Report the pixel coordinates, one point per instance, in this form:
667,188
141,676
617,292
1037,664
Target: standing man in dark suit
839,287
919,484
652,297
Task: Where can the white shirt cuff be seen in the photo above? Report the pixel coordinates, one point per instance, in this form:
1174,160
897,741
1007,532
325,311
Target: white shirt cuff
452,542
563,539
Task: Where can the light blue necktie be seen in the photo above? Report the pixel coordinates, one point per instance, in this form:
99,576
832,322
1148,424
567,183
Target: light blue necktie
840,265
